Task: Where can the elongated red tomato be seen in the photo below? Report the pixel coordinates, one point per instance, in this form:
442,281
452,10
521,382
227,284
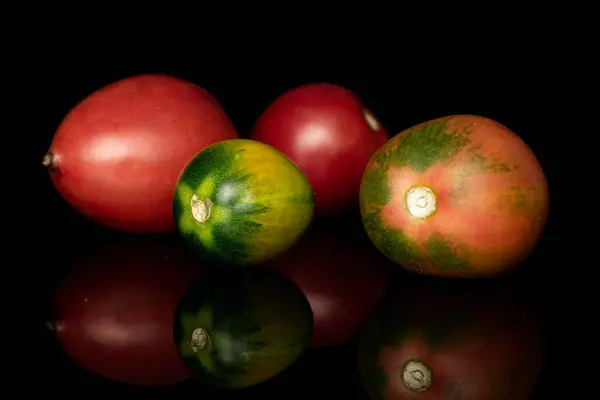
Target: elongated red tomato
342,277
117,155
115,310
327,131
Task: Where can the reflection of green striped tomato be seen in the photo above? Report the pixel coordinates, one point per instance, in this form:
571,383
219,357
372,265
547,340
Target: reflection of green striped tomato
242,202
242,328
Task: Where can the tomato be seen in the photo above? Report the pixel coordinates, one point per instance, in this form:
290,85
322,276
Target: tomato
327,131
241,202
460,196
117,155
342,277
115,310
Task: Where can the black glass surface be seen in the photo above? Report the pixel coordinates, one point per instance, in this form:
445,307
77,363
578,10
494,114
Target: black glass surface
400,101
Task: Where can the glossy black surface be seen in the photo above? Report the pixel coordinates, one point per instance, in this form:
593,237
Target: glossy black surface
399,99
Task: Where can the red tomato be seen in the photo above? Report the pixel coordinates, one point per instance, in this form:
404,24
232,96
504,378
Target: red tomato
114,312
117,155
329,134
342,277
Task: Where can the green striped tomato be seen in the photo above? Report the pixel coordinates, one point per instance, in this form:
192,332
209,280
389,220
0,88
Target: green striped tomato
242,327
242,202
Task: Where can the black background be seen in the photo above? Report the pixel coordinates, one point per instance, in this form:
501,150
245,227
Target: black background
400,94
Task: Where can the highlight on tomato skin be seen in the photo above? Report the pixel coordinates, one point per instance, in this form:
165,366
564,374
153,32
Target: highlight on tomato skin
117,154
114,311
342,275
330,134
460,196
432,339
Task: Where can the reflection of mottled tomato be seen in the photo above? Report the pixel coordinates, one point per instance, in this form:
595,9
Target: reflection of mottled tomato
439,343
327,131
115,311
342,277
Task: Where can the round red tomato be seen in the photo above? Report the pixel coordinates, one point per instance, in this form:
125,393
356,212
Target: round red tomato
117,155
114,312
329,134
342,277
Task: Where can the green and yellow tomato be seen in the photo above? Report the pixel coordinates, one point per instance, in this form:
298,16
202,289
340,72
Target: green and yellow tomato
242,202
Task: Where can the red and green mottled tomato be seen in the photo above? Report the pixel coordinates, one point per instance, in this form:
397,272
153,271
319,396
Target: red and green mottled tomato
242,202
458,196
433,342
240,328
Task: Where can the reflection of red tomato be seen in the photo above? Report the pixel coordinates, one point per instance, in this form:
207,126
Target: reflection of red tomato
117,154
343,278
115,311
329,134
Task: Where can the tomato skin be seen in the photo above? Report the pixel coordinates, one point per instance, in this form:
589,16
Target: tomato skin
322,127
342,277
114,312
117,154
